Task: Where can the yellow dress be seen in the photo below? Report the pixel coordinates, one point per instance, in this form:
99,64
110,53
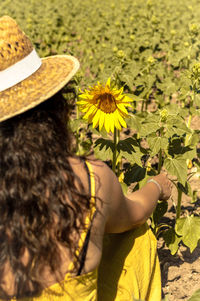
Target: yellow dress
129,269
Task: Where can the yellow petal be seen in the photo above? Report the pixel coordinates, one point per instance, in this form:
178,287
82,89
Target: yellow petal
117,124
85,96
112,122
127,99
108,82
121,120
81,102
90,111
95,119
118,92
128,105
85,108
107,123
101,119
122,108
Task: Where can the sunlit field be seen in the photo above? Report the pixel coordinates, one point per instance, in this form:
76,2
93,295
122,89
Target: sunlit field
149,51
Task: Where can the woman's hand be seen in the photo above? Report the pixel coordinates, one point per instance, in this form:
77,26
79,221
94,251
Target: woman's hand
165,185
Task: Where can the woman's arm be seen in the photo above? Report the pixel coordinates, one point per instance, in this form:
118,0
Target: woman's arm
122,212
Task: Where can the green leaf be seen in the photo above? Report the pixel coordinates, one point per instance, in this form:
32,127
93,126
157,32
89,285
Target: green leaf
193,139
134,97
86,145
195,296
172,240
168,86
128,80
77,124
192,193
160,210
134,122
176,148
134,174
101,142
189,228
190,153
102,133
176,126
184,188
130,149
128,145
103,149
148,128
177,167
156,143
134,157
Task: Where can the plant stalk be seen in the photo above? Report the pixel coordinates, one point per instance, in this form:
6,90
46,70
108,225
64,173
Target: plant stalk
142,108
188,124
160,161
178,208
115,142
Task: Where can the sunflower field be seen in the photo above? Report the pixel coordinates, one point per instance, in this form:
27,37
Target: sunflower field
138,90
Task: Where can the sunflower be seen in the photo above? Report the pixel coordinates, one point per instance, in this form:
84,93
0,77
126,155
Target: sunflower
105,106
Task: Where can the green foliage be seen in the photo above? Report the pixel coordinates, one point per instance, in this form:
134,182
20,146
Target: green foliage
177,167
160,210
172,240
189,229
151,48
195,296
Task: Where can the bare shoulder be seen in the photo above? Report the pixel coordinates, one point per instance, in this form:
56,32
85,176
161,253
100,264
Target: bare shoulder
108,191
104,176
108,188
102,172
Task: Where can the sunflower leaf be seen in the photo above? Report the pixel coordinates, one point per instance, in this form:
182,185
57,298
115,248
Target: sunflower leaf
134,174
132,158
103,149
130,149
160,210
157,143
134,122
104,143
150,125
172,240
177,167
189,228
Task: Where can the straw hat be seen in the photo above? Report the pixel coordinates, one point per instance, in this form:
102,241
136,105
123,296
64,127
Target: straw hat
25,79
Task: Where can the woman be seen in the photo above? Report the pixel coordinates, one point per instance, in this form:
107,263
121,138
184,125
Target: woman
55,208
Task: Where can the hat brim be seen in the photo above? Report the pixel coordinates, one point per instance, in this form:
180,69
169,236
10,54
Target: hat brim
54,73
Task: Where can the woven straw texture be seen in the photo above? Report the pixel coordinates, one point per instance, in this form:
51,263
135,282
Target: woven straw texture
14,45
54,73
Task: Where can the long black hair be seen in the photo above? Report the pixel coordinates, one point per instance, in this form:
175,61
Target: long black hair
37,187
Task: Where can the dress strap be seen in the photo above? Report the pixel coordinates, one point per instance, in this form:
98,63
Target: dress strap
85,235
91,187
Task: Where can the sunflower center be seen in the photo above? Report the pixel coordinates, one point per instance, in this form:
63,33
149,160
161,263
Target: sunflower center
106,103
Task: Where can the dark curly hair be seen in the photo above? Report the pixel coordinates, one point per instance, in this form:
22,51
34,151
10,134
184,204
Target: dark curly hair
37,186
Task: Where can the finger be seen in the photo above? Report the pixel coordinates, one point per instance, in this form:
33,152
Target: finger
163,170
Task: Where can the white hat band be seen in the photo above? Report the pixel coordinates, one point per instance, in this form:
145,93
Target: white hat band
19,71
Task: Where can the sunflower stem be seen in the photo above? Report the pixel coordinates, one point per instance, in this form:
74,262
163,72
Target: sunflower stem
115,142
188,125
178,208
160,161
119,165
142,108
77,134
